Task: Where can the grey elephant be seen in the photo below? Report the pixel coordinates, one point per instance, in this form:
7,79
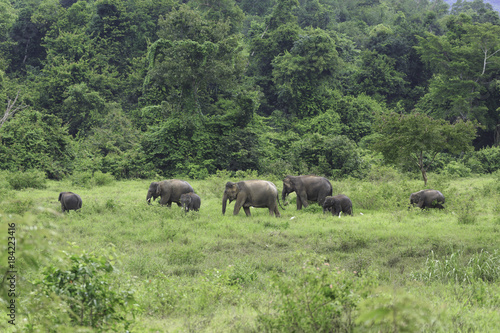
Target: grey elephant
427,199
169,190
70,201
307,188
190,201
338,204
252,193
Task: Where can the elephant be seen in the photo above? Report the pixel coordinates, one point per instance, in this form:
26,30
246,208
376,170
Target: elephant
307,188
252,193
190,201
169,190
70,201
427,199
338,204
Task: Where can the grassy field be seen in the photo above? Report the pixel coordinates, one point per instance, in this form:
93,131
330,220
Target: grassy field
386,269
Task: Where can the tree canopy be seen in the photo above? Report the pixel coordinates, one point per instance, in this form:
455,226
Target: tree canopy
278,86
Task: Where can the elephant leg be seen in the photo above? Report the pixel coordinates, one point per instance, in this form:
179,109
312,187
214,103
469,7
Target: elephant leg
240,200
276,212
247,211
299,204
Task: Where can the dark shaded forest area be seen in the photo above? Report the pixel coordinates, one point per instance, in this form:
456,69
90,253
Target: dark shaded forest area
331,87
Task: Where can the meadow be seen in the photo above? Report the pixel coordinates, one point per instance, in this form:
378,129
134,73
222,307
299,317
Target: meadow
385,269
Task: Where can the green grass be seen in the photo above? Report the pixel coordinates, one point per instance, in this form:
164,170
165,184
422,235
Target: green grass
202,271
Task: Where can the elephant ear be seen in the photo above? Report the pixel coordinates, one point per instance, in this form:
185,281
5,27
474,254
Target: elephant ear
157,189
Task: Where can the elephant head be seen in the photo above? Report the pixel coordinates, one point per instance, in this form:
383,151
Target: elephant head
231,192
153,192
288,187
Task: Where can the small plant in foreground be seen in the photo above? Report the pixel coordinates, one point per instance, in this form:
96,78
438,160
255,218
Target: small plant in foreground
320,298
383,312
85,288
467,212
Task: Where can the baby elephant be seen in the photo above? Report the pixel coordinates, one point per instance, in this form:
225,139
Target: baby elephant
427,199
338,204
70,201
190,201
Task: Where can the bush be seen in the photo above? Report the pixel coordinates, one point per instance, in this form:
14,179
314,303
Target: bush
316,298
489,158
27,179
87,294
466,211
456,169
89,179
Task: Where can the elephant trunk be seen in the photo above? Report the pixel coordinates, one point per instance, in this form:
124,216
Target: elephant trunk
148,198
224,202
284,194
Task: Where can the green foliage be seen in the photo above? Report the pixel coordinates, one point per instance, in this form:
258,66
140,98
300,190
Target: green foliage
27,179
456,169
91,179
489,158
331,156
34,140
85,288
467,212
316,297
390,311
408,137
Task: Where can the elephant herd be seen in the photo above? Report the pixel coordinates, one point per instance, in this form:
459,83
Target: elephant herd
261,194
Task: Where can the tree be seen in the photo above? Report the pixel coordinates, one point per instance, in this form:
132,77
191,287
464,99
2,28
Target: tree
466,65
34,140
194,61
418,138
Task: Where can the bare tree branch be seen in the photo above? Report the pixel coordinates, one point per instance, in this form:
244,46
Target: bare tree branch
11,109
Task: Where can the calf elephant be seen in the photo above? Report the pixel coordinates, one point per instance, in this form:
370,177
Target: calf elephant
338,204
307,188
252,193
427,199
190,201
70,201
169,190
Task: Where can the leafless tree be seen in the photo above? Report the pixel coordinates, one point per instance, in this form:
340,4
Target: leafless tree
12,108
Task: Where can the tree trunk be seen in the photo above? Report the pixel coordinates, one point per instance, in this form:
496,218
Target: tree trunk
496,139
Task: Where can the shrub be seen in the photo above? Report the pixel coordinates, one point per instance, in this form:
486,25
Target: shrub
466,211
89,179
456,169
101,179
387,311
27,179
489,158
87,294
318,298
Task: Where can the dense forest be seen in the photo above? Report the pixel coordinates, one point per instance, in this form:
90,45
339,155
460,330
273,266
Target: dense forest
166,87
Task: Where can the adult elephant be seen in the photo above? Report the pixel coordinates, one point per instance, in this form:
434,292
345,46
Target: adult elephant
70,201
338,204
427,199
252,193
190,201
169,190
307,188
